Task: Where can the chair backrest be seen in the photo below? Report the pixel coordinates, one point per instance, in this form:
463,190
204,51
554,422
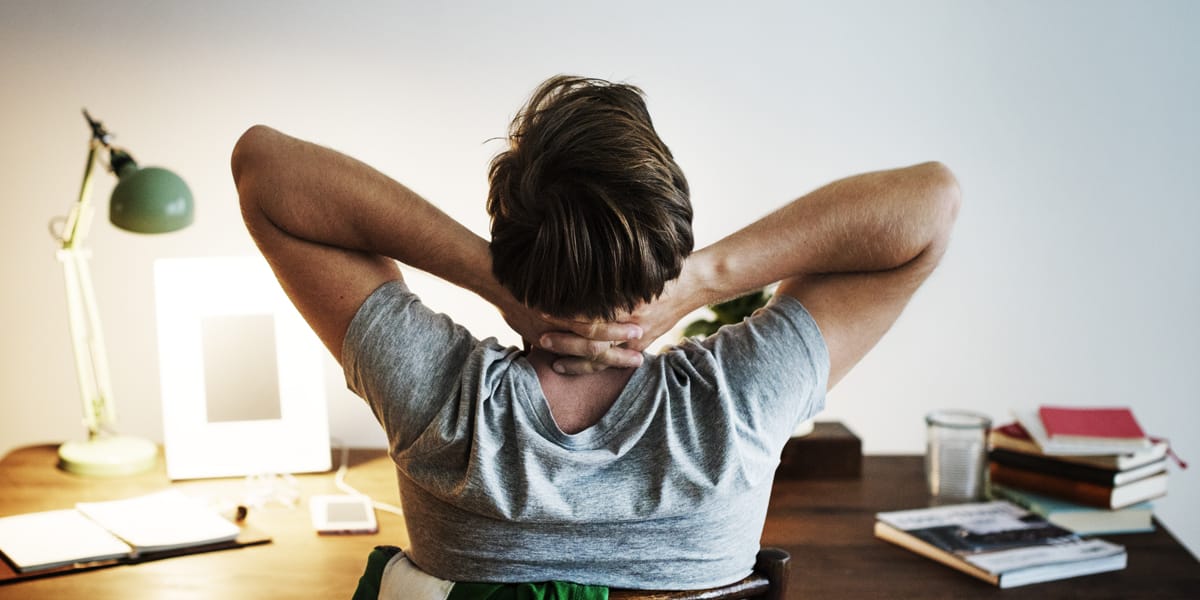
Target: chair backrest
767,582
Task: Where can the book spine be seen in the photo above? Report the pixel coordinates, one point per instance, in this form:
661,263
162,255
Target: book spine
1000,492
998,439
1068,489
1058,468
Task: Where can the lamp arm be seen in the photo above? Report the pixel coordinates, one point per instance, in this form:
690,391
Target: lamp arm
79,219
87,341
87,338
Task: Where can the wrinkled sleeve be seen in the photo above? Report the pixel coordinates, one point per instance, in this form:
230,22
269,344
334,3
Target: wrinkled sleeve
404,359
774,366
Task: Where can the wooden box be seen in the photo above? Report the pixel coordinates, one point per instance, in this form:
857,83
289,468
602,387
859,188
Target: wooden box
831,451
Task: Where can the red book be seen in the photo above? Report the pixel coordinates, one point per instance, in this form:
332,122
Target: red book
1090,424
1012,436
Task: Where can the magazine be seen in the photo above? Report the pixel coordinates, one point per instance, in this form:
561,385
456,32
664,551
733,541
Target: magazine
998,542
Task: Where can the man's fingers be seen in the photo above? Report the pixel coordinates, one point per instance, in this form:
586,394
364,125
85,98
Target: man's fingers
570,344
615,357
598,330
608,332
577,366
572,347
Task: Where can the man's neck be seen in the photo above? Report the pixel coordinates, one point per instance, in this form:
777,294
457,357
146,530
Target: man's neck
577,401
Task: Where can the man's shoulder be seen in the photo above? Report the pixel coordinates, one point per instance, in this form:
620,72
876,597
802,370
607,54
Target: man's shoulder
395,310
782,320
395,336
765,352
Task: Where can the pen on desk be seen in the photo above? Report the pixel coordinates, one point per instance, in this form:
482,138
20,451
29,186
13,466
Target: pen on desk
236,513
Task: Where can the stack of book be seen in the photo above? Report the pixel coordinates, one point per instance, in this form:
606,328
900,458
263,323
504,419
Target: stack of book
1092,471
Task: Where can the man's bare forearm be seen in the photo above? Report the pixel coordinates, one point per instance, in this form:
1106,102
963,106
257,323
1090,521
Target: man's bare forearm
871,222
294,190
322,196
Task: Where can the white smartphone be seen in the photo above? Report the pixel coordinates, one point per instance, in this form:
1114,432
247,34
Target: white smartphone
342,515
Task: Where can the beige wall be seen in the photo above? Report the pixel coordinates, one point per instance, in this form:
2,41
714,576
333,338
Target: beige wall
1074,276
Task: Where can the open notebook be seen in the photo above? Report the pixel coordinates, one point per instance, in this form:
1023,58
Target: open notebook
97,534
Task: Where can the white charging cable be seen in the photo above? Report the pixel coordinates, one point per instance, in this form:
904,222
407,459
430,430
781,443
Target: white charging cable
339,480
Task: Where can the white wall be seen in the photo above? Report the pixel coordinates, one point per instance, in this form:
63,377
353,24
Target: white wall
1074,276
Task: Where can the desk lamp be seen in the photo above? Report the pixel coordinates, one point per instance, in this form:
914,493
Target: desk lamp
145,200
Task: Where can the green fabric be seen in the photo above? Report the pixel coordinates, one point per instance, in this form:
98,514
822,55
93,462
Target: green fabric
372,577
553,590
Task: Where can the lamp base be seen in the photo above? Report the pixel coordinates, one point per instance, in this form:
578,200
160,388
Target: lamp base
108,456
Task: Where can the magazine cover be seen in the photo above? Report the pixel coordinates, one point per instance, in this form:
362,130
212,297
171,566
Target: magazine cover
1000,538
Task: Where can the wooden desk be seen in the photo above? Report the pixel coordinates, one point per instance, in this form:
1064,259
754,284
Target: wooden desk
298,563
825,524
827,527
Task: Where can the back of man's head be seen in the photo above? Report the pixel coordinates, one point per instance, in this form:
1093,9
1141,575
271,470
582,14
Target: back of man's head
590,213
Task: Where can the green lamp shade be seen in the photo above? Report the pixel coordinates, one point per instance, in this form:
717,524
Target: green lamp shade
150,200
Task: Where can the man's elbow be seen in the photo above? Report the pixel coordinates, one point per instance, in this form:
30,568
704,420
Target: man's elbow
939,197
946,193
249,162
251,150
944,197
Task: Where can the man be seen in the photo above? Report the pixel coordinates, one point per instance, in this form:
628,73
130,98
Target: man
548,463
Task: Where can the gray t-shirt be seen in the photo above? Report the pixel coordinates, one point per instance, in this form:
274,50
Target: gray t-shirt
668,490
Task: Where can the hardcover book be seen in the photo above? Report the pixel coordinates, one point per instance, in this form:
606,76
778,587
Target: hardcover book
1080,472
1031,421
1084,520
1090,424
1013,437
1083,492
998,542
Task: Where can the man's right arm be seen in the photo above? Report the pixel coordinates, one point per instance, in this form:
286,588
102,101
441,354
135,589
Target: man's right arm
332,227
853,252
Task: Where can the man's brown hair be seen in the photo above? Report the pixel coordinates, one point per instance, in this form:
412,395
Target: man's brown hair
590,213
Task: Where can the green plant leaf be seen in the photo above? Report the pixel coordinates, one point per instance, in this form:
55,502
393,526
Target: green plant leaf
737,309
701,328
728,312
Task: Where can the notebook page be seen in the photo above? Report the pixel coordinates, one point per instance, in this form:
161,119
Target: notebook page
159,521
55,538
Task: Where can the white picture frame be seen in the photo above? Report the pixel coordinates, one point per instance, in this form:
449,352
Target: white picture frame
188,290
